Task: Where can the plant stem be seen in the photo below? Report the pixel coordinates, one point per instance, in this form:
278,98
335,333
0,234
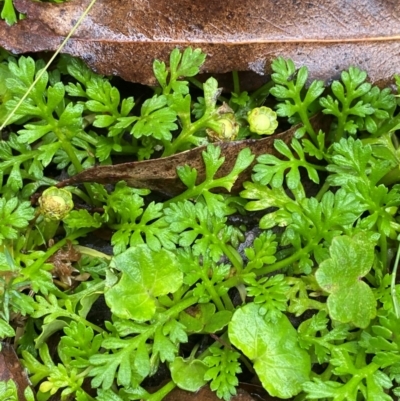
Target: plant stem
236,83
322,191
43,70
213,293
181,306
236,260
287,261
228,302
185,135
195,82
37,265
383,252
306,121
263,91
66,145
162,392
393,293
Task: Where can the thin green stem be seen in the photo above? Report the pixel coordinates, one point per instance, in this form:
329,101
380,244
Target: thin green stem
37,265
181,306
393,292
67,146
211,290
236,83
306,121
322,191
340,128
195,82
184,135
227,302
236,260
262,91
187,132
162,392
327,374
42,71
287,261
87,138
197,190
19,159
384,252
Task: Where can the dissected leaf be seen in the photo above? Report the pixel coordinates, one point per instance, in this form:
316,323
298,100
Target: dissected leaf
117,38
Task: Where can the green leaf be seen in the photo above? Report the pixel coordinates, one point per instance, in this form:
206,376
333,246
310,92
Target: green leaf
196,226
211,94
279,362
271,170
190,62
145,275
202,318
78,344
295,102
6,330
350,299
156,119
133,225
8,12
82,218
13,216
223,369
181,65
188,374
348,102
262,252
48,330
270,294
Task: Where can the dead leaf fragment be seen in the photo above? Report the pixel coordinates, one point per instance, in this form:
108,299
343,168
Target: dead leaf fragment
62,261
160,174
124,37
205,394
11,369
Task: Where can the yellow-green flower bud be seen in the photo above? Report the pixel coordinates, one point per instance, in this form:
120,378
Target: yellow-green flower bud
224,126
262,120
55,203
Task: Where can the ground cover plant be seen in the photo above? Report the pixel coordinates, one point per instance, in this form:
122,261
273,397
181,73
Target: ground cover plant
309,306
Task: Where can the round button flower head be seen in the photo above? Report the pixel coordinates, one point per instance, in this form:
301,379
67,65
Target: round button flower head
262,120
224,129
223,126
55,203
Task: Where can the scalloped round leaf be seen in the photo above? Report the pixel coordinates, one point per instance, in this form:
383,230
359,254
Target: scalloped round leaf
146,274
350,299
280,363
188,375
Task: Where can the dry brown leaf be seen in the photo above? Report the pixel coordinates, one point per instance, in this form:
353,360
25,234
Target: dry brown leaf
124,37
160,174
205,394
245,392
11,369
